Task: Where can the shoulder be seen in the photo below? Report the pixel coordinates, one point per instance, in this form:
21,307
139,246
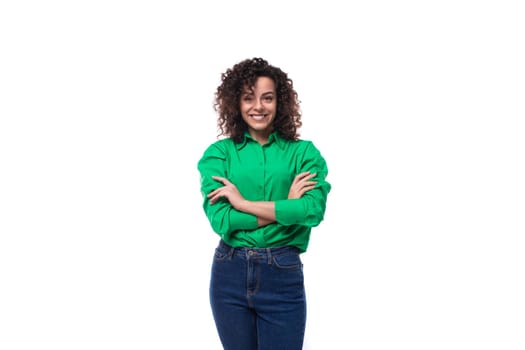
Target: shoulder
219,146
308,151
303,145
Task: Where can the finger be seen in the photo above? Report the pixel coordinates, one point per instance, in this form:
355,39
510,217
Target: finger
299,177
219,192
306,176
302,175
213,193
309,187
221,179
306,182
306,189
311,176
212,198
215,198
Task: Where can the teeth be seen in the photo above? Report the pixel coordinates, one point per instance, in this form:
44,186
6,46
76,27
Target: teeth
258,117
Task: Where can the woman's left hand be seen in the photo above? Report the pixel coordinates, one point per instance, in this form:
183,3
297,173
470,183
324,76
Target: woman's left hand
228,191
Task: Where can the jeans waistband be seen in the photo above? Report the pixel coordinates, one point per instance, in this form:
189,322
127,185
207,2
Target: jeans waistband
264,253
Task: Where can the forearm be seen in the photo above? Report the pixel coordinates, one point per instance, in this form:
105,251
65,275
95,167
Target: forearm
264,210
263,222
224,219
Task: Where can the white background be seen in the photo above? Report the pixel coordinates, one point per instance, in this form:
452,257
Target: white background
418,107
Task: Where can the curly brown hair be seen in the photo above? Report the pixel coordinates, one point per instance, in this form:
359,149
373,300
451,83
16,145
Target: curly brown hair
245,73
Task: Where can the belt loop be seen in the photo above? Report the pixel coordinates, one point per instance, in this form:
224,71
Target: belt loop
230,253
269,254
231,249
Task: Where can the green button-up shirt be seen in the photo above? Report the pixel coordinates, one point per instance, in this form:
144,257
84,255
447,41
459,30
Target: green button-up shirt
264,173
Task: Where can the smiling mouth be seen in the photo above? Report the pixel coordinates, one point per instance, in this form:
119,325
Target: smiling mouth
258,116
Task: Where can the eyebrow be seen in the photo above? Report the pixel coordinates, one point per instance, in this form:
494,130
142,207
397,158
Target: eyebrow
250,92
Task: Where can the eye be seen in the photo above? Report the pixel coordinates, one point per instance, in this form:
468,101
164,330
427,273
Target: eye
268,98
247,98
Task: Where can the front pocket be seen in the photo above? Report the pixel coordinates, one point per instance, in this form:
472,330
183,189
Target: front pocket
219,255
287,261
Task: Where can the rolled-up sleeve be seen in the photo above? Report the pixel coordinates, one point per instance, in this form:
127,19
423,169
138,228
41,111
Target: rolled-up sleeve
310,208
224,219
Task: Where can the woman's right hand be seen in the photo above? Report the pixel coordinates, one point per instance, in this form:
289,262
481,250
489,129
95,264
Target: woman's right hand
301,184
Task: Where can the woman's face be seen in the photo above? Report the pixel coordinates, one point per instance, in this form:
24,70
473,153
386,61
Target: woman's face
258,107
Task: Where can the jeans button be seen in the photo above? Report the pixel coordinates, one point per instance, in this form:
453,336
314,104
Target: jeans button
250,252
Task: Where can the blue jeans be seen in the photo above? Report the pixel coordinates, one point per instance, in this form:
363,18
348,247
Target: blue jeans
257,298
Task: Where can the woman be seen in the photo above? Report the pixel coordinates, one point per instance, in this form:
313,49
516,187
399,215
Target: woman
264,189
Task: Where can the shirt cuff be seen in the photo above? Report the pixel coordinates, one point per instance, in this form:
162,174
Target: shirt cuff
242,221
289,211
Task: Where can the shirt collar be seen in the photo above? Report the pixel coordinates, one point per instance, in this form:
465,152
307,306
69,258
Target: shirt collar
274,137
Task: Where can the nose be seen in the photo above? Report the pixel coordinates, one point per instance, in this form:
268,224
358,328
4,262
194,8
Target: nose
258,105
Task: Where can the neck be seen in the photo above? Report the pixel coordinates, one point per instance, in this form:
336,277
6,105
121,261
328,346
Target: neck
261,137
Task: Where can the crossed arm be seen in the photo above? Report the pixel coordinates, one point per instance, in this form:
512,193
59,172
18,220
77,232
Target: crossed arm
263,210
